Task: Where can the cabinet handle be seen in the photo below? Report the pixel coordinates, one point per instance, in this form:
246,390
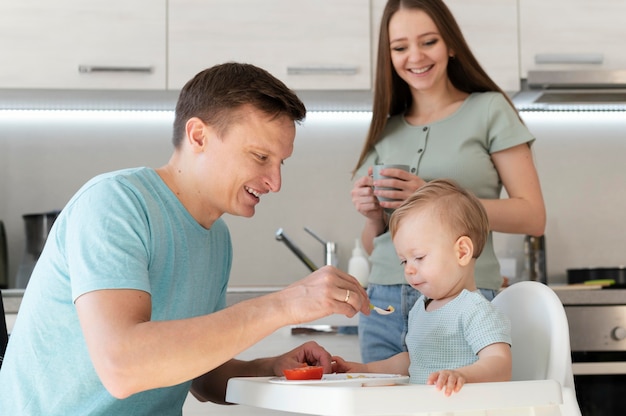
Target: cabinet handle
571,58
322,70
86,69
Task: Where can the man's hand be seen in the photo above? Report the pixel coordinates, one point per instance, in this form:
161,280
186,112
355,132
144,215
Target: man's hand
310,353
324,292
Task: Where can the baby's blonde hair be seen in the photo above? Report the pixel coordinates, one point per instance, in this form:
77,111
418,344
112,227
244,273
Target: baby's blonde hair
459,210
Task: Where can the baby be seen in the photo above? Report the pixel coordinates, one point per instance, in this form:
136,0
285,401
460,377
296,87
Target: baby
455,336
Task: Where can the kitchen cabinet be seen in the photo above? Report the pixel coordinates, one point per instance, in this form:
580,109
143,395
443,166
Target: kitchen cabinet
323,44
491,30
160,44
571,34
83,44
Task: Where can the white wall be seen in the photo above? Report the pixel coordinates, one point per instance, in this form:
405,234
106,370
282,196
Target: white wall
580,158
46,157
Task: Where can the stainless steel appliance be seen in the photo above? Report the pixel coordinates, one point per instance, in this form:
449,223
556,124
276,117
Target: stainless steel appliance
578,90
597,324
37,227
535,259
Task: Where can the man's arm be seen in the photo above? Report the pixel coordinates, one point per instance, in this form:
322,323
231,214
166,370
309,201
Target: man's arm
131,353
212,385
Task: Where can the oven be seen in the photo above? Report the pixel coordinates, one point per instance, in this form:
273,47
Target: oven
597,325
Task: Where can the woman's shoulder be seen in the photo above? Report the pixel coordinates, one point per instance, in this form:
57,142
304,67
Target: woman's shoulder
396,121
491,106
487,98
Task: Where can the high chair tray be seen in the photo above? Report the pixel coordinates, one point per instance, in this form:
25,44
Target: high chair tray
513,398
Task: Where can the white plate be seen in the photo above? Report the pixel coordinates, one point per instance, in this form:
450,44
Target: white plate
369,379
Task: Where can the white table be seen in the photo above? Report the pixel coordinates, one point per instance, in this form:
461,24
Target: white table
514,398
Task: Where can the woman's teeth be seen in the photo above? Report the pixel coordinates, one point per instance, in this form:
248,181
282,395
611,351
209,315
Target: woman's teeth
420,70
253,192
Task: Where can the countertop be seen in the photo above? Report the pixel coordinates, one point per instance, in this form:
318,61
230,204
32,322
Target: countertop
569,296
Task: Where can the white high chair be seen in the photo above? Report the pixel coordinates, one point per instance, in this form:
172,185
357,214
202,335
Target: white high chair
542,384
540,336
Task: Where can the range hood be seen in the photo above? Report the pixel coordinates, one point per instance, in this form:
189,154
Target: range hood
576,90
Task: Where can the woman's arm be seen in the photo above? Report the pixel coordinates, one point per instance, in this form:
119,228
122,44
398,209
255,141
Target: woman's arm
366,204
523,212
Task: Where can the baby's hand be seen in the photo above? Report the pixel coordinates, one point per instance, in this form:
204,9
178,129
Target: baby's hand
339,365
451,380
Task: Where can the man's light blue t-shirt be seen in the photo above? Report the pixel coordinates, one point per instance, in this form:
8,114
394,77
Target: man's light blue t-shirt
122,230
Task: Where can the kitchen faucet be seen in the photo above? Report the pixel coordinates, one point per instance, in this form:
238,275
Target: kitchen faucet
329,246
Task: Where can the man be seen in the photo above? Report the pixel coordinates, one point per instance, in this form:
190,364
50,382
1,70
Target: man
126,304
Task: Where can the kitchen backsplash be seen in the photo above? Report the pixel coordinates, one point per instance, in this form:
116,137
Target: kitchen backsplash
46,156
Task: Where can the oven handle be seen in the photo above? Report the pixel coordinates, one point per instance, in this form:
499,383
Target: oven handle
583,369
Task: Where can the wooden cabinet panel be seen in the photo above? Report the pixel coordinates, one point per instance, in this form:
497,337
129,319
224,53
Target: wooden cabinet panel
572,34
120,44
491,30
322,44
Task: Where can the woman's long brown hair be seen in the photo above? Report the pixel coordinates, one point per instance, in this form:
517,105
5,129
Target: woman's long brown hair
393,96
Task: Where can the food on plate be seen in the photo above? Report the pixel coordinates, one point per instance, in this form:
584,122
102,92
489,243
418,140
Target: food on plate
305,372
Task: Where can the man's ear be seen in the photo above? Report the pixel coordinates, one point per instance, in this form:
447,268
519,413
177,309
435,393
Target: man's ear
464,250
196,131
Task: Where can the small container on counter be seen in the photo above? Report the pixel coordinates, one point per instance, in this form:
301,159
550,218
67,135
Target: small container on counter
535,259
359,266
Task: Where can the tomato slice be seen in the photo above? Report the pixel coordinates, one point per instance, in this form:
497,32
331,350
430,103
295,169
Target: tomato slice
306,372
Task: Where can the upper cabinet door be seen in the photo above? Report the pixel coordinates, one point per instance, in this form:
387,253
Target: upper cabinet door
321,44
490,28
83,44
572,34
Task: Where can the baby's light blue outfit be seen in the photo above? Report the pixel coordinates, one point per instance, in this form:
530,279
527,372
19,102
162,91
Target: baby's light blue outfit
451,336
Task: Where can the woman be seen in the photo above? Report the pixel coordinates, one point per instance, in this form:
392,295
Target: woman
436,110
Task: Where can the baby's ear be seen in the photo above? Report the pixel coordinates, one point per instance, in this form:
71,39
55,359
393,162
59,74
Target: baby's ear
464,250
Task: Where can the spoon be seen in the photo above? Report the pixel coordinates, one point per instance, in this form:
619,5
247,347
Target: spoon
381,311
